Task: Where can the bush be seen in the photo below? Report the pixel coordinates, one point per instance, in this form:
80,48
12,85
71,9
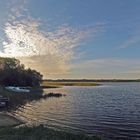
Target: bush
13,73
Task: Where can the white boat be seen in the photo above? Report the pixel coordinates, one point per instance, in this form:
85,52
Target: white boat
17,89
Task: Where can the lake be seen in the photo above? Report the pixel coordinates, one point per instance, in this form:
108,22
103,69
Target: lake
111,110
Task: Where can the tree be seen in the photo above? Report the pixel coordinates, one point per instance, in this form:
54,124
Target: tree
13,73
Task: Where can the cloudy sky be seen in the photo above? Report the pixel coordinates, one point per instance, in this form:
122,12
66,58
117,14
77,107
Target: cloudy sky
73,38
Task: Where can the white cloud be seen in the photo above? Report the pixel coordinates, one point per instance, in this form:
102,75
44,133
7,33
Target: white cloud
108,62
18,9
52,49
107,68
132,40
46,51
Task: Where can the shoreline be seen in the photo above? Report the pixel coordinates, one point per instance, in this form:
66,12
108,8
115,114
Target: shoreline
57,84
18,128
8,119
16,100
11,122
42,132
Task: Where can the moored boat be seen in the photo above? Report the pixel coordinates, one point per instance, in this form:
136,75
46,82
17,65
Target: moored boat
17,89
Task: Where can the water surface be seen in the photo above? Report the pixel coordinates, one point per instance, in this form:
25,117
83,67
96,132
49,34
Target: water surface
112,110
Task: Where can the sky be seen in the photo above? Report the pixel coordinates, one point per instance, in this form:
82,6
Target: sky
84,39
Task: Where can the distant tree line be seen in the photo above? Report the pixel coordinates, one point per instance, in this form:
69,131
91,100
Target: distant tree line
13,73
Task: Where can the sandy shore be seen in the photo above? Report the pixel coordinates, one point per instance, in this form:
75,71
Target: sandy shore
7,119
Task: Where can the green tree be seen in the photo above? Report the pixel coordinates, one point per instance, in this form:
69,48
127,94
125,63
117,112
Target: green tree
13,73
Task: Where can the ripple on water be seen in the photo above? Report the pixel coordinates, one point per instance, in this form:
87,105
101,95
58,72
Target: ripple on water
112,110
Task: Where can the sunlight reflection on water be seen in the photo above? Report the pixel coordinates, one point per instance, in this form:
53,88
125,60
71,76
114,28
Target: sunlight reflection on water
112,109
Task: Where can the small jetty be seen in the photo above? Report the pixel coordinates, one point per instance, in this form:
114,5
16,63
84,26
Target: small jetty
4,101
7,119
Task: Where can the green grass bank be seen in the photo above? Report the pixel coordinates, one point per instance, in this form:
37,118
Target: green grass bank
41,133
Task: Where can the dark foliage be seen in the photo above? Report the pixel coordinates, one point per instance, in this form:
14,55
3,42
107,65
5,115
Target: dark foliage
12,73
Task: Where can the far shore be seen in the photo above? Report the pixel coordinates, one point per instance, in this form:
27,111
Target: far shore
58,84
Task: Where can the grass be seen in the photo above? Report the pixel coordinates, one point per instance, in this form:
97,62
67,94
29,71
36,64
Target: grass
47,84
40,133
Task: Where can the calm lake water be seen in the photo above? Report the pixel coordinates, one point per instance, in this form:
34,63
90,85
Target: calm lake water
111,110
